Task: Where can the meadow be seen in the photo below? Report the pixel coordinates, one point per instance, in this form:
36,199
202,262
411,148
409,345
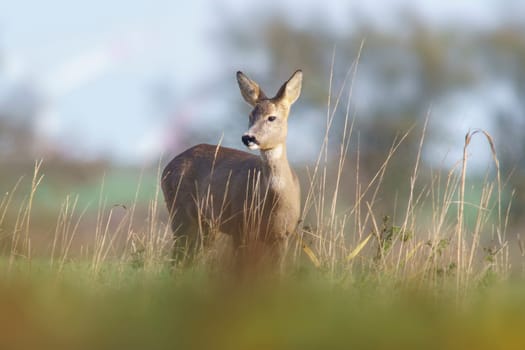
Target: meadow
432,267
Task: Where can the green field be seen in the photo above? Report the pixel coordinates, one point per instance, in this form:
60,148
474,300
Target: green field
128,308
101,278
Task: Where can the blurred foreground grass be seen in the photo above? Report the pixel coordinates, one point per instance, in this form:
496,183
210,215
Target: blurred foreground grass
131,309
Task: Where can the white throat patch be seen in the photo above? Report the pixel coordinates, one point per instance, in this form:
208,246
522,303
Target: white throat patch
274,153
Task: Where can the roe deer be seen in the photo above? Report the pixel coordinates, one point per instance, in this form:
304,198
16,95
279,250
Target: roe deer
252,198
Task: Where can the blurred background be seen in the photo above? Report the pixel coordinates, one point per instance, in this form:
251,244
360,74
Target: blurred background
115,89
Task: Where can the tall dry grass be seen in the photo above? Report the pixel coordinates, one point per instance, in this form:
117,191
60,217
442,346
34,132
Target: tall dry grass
422,242
119,237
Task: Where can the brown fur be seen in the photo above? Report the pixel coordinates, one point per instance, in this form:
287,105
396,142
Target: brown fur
252,198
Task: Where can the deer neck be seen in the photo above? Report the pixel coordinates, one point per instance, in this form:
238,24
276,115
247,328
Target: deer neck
276,168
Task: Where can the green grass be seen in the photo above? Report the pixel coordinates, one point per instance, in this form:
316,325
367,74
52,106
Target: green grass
132,309
379,283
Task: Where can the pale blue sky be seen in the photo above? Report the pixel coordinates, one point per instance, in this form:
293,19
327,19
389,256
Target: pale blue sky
94,62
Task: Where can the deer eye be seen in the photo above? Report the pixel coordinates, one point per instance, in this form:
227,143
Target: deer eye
272,118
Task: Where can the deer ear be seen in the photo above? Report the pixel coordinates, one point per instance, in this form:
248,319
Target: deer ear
250,90
291,90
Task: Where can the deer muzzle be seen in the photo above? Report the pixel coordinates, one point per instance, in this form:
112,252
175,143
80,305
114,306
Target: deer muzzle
250,141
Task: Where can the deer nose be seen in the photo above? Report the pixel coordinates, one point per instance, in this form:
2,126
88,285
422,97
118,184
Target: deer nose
249,140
